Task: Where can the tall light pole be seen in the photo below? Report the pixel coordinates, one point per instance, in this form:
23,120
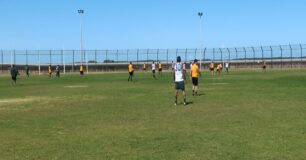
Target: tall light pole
200,14
81,12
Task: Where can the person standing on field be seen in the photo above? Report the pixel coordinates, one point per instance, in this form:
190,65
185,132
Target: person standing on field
179,79
212,68
14,74
144,67
81,70
194,74
57,70
27,71
50,71
160,68
131,72
226,66
153,69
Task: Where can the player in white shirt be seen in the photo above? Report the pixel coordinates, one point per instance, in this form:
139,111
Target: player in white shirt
153,67
226,66
179,79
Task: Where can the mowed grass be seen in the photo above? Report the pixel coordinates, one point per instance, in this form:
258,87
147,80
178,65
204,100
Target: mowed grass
246,114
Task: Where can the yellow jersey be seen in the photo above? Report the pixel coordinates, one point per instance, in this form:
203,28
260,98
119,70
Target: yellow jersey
144,66
195,71
212,65
49,69
81,68
159,66
130,68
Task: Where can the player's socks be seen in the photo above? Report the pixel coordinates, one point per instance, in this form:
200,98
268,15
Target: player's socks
185,103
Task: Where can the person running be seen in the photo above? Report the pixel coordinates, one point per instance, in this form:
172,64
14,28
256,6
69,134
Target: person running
212,68
160,68
219,69
264,66
144,67
131,72
179,79
14,74
194,74
50,71
57,70
27,71
153,69
81,70
226,66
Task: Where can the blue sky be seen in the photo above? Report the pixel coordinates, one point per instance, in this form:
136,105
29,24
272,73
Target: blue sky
131,24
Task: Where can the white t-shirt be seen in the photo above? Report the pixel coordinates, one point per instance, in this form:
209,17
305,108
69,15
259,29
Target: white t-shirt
178,70
153,66
226,65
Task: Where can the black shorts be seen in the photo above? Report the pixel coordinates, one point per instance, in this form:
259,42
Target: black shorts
180,86
264,67
160,69
14,78
144,69
81,72
153,71
195,81
212,69
131,73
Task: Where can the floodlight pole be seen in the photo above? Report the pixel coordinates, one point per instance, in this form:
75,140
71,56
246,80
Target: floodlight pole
81,12
200,14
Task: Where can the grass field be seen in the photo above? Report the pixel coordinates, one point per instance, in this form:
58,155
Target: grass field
241,116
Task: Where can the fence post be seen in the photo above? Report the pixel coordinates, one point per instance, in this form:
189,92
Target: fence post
38,62
236,57
147,56
214,55
96,61
86,59
186,54
221,51
204,58
301,55
176,53
245,57
64,62
127,56
281,49
271,56
195,53
262,54
254,61
106,58
1,61
138,58
157,53
167,56
14,57
290,55
26,57
50,57
229,55
72,65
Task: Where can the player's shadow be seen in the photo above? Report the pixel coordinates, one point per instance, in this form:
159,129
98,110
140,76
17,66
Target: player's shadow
189,103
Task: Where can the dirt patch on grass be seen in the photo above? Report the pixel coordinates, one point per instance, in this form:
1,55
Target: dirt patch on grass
76,86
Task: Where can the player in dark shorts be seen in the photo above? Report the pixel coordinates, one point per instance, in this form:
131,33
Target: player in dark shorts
194,74
81,70
153,67
264,66
131,72
27,71
14,74
144,67
179,80
57,70
160,68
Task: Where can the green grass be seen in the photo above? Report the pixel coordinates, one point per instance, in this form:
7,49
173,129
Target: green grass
241,116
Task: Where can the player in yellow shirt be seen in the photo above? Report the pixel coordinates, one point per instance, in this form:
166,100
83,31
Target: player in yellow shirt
219,69
194,74
50,71
131,71
144,67
160,68
264,66
81,70
212,68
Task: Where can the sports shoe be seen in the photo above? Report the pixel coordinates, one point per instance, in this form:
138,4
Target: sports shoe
175,104
185,103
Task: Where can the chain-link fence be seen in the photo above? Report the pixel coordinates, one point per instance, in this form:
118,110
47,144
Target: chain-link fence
283,56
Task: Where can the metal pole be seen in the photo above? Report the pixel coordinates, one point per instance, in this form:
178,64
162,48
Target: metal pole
147,55
106,60
64,62
236,57
301,55
281,49
204,55
229,55
157,55
14,56
254,61
245,57
291,55
167,56
200,14
26,57
127,56
271,56
186,54
137,56
96,61
262,53
1,61
72,66
38,62
50,58
221,55
81,12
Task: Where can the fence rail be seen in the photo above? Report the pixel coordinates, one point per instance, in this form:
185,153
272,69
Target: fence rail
282,56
